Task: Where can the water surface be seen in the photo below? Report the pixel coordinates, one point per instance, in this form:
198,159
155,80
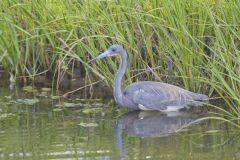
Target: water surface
41,126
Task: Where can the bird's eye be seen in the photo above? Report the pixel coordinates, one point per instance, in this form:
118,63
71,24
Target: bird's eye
113,50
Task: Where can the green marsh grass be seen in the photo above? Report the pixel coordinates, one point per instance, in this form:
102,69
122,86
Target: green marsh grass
194,44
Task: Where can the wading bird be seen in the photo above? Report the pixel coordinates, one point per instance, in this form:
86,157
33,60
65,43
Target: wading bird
149,95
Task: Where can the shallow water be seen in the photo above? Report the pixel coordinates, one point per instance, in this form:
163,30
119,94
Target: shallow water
40,126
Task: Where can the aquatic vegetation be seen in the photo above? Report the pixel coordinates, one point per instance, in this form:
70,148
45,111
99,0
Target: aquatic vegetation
44,89
29,102
29,89
91,106
194,44
88,124
91,110
67,104
5,115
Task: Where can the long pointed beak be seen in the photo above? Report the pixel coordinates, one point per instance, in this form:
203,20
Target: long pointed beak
101,56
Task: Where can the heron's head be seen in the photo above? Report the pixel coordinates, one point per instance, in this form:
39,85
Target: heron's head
111,51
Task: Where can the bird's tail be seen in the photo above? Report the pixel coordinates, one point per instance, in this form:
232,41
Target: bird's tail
198,100
200,97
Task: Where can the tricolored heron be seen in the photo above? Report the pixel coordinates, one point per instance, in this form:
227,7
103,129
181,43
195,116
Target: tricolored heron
148,95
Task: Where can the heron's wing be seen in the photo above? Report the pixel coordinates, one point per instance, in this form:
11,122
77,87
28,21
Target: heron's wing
157,95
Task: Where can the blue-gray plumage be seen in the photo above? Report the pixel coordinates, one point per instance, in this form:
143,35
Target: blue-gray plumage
149,95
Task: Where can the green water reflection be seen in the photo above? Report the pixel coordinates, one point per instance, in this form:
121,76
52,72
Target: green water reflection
50,130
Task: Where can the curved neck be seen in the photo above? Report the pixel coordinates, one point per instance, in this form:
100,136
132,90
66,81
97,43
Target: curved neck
118,95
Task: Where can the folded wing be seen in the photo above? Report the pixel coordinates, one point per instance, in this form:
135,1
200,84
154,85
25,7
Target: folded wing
160,96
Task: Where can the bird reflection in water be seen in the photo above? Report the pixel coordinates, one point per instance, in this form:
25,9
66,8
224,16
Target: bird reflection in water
150,124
